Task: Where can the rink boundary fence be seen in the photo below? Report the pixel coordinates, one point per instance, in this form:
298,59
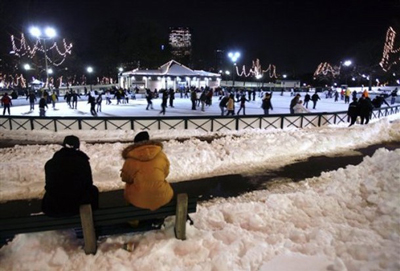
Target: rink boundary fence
203,123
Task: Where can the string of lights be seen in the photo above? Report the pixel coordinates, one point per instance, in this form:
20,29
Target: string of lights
257,71
388,51
325,68
25,49
9,81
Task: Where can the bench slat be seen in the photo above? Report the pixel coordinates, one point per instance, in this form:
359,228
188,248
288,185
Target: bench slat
101,218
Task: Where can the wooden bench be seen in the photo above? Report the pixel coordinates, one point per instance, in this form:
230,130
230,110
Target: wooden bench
94,224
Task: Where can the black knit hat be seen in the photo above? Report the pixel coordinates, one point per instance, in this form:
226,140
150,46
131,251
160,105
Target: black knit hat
71,142
142,136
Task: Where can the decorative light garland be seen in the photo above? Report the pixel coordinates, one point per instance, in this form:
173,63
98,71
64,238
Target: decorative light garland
25,49
388,50
9,81
257,71
325,68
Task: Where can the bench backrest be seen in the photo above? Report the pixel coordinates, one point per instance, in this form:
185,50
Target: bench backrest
102,217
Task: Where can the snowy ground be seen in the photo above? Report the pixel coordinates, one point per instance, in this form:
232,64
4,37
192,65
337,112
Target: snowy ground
347,219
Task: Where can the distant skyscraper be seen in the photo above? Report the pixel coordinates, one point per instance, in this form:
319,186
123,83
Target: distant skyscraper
180,40
220,59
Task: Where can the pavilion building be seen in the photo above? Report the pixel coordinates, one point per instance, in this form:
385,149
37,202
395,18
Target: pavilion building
170,75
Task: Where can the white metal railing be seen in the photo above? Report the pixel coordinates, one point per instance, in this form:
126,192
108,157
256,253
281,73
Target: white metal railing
204,123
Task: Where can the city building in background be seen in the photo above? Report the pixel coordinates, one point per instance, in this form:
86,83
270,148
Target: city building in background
180,40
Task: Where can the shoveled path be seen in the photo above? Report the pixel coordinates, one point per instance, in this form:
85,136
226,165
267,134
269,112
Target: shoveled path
228,185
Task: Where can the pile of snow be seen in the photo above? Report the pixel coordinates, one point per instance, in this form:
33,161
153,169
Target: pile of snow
348,219
343,220
245,152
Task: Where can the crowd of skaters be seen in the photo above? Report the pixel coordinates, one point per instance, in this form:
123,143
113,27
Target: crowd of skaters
201,98
360,107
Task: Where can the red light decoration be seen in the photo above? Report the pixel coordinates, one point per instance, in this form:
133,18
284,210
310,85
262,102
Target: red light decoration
389,52
26,49
325,68
257,71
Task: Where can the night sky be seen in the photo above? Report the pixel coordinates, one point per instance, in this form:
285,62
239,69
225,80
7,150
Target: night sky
293,35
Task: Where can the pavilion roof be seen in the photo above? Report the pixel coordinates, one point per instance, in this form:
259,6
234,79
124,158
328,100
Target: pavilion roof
171,68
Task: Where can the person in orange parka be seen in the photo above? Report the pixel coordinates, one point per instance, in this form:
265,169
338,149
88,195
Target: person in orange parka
145,170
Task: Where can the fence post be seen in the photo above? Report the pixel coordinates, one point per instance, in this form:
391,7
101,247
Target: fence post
237,123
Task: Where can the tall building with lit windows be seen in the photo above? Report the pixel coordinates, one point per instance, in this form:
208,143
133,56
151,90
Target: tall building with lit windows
180,40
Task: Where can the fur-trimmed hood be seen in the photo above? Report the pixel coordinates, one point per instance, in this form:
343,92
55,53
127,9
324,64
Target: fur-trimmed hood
143,151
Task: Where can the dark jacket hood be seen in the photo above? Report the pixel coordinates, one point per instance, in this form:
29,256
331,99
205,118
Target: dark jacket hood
66,152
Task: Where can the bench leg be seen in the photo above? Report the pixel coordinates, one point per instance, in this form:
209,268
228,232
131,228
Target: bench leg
89,234
181,215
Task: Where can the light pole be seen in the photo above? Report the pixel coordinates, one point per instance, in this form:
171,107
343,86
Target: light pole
90,70
227,73
27,67
49,33
258,77
234,57
346,63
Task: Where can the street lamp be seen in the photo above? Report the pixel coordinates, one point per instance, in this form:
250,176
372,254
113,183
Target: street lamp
258,77
346,63
227,73
49,33
234,57
90,70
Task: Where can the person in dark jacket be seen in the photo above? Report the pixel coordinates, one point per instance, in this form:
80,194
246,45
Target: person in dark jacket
149,97
378,101
164,100
42,107
99,101
68,97
92,102
266,103
393,96
69,181
314,99
193,98
293,102
242,102
352,112
75,97
171,97
307,98
32,99
365,109
222,104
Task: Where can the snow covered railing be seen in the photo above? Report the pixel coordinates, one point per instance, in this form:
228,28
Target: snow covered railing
203,123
